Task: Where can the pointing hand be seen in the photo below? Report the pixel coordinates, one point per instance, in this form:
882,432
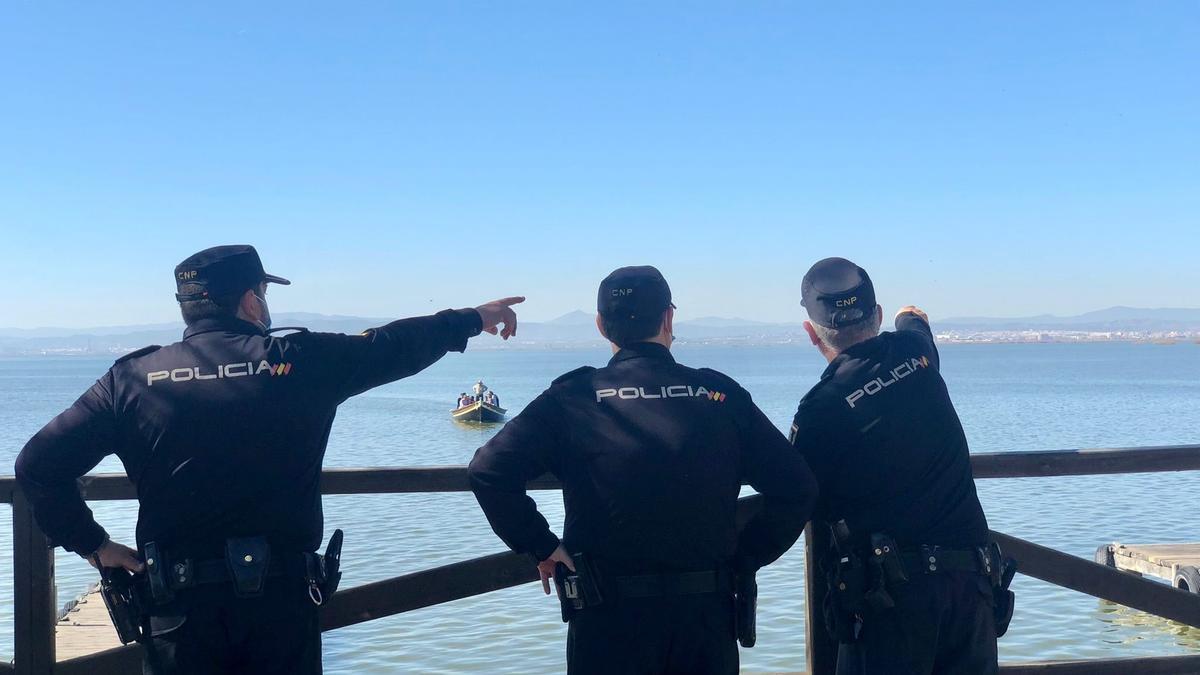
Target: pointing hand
913,309
499,312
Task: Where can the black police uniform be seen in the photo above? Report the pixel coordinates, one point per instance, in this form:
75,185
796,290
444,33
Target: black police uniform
881,435
651,455
223,435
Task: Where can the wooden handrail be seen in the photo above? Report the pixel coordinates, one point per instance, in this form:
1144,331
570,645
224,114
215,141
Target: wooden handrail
393,480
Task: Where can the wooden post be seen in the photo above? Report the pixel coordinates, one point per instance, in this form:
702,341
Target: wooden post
33,593
820,649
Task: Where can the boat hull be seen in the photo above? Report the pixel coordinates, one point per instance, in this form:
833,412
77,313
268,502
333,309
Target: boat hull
478,412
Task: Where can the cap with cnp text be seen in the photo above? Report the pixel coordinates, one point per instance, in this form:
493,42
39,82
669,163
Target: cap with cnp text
837,293
221,272
633,293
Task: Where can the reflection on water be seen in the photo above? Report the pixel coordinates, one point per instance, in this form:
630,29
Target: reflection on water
1120,617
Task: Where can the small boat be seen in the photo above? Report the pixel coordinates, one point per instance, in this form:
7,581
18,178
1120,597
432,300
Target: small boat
478,411
481,408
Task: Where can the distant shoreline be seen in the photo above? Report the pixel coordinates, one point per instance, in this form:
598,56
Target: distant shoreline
728,342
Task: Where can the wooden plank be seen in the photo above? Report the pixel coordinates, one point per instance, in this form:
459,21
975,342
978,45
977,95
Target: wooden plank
126,660
428,587
85,628
1101,581
1143,567
1167,555
33,593
1148,665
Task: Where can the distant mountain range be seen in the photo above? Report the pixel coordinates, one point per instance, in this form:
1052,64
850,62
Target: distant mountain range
578,328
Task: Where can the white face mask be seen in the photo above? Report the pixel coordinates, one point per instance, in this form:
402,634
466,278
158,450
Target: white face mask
265,320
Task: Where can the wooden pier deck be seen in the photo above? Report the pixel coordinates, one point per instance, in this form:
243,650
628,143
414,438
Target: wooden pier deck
85,628
1177,564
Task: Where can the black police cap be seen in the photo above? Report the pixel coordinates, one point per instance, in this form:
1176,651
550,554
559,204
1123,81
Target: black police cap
837,293
633,293
221,272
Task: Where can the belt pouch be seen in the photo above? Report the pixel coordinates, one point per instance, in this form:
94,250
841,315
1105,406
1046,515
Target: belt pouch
157,567
877,596
248,559
884,548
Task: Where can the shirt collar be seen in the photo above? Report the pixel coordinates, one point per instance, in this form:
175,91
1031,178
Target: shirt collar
226,324
856,351
651,350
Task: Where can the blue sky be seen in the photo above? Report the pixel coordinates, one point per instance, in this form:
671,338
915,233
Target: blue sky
394,158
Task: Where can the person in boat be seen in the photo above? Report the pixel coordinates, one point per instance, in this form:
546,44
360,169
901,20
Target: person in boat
897,493
491,398
224,434
464,400
652,455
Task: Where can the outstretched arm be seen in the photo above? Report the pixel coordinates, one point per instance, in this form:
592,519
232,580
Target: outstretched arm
408,346
913,321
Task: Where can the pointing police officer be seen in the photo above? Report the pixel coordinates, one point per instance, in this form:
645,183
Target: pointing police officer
223,435
651,455
911,573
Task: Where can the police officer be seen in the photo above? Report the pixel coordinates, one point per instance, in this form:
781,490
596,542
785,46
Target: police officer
651,455
911,572
224,434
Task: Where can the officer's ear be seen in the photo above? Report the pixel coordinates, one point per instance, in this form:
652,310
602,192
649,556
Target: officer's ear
878,317
600,327
668,325
812,334
249,309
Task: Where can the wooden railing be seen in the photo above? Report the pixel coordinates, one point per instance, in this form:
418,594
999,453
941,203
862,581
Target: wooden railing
34,591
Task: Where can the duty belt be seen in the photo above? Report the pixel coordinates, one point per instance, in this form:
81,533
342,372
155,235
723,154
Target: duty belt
248,562
681,583
187,573
929,559
584,587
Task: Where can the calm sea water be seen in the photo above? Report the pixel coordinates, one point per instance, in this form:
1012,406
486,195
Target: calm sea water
1010,398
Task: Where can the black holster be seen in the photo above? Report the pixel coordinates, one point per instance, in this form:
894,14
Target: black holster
745,604
846,575
579,589
123,598
1004,600
323,573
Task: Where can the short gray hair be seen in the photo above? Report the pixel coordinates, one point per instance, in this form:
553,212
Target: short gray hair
841,339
